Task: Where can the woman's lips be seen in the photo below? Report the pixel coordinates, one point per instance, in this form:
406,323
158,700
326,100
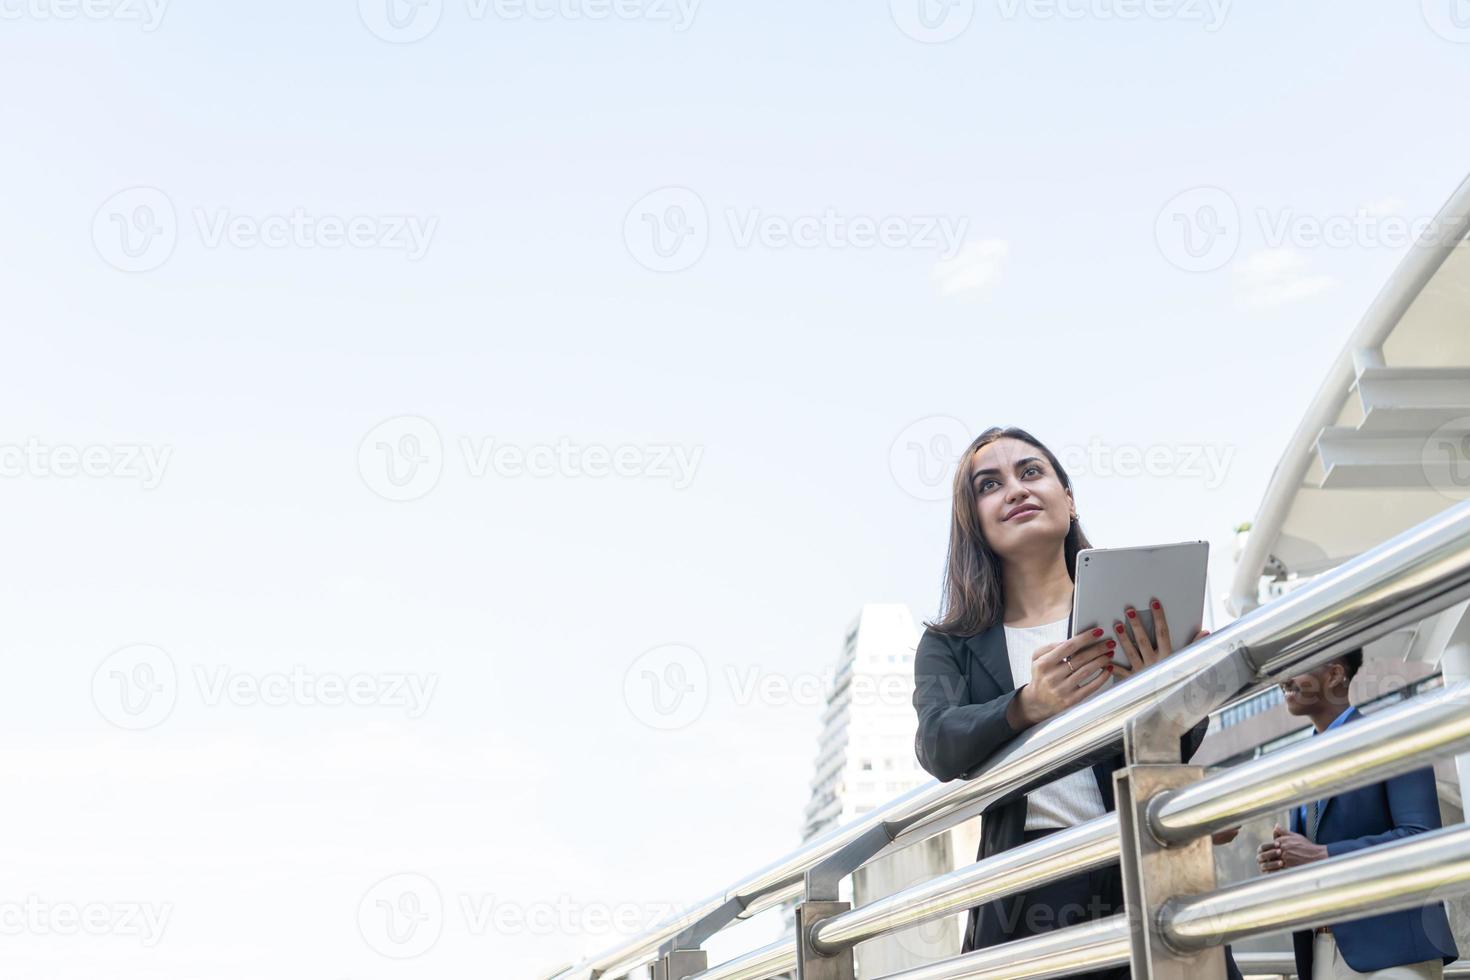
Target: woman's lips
1023,512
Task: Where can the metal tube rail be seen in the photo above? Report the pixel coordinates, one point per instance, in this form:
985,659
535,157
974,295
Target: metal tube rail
1402,874
1089,845
1390,877
1393,741
1385,744
1419,572
1284,965
1076,949
758,964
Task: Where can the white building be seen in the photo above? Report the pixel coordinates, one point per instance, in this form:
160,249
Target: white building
865,758
865,753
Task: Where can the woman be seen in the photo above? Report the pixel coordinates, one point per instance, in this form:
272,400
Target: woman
999,660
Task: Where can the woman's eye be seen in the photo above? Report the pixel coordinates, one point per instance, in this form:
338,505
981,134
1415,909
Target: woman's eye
985,484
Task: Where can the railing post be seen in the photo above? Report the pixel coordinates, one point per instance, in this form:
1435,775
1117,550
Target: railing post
683,955
678,964
1153,871
820,901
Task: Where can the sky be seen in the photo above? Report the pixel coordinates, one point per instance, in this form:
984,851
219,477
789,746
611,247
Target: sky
398,395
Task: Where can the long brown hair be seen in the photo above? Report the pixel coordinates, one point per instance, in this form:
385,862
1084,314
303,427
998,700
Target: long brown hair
974,598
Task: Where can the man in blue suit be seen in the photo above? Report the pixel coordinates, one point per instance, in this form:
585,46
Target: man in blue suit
1414,944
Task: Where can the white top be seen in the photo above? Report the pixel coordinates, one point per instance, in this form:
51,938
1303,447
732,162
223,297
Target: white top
1074,798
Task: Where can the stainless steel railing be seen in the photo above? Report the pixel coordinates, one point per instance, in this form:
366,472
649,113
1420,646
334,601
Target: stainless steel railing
1416,574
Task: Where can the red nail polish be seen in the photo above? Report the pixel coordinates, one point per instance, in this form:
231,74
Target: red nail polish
1109,668
1155,603
1097,632
1132,614
1112,643
1118,627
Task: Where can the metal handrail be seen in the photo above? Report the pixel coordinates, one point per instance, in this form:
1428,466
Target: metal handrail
1393,741
1283,965
1403,874
1380,746
1089,845
1415,574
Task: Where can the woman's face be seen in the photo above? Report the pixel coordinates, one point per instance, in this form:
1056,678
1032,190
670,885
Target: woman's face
1021,500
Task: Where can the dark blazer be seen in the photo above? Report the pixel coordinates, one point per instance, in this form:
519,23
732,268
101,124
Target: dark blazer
1395,808
962,687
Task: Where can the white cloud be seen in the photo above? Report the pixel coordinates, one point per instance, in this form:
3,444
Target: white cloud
1276,277
975,269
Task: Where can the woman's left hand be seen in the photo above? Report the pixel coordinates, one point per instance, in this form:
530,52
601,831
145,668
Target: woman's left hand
1133,638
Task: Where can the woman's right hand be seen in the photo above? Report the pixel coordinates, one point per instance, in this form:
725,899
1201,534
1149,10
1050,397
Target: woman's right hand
1055,669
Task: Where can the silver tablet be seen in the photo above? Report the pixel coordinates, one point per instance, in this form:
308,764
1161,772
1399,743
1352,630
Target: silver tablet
1110,580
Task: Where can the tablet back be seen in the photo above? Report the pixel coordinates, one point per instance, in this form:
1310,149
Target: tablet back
1110,580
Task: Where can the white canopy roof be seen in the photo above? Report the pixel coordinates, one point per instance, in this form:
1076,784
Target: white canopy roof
1386,442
